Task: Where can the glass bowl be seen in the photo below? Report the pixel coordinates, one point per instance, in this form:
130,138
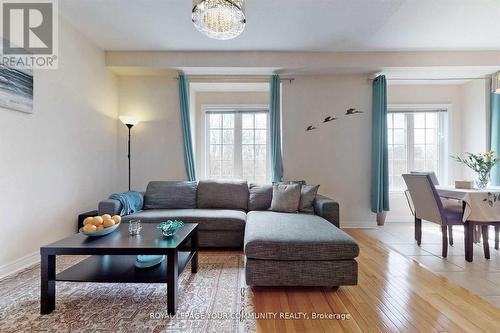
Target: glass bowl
168,228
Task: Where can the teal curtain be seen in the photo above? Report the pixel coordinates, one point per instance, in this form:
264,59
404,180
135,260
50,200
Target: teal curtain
186,127
275,129
380,165
495,134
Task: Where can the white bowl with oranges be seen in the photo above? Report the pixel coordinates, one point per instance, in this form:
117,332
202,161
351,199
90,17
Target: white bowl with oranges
100,225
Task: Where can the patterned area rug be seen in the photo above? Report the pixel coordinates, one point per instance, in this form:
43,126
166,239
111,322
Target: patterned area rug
215,299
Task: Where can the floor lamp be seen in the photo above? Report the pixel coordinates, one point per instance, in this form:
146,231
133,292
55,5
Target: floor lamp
129,122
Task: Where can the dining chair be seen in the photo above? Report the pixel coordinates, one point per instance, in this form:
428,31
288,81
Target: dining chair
427,206
454,204
450,203
431,174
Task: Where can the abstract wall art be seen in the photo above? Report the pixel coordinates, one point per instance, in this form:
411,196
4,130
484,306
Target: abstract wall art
16,89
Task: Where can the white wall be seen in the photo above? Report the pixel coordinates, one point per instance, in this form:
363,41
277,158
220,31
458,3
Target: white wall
475,114
62,159
264,62
449,94
338,154
157,149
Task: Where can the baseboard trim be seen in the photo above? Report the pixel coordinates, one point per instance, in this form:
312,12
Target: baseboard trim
404,218
19,264
358,224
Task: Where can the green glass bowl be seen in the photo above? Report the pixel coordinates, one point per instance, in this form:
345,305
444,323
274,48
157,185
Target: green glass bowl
168,228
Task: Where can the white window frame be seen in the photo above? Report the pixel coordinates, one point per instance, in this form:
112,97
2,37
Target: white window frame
443,114
237,139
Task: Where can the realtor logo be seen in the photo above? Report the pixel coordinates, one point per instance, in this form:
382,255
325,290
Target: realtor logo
29,33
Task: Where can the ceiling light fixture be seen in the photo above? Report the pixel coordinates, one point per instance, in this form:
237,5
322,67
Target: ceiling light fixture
219,19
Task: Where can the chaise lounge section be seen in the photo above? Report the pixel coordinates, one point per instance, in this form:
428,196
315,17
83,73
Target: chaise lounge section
281,249
285,249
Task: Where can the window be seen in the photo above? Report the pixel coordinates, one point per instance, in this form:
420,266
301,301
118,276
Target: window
237,144
416,143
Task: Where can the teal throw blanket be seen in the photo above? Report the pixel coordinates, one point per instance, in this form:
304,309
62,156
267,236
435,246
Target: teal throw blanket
131,202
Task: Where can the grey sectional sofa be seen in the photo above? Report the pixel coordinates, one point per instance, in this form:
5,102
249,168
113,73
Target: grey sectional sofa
281,249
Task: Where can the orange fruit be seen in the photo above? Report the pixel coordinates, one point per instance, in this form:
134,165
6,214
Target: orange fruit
87,220
97,221
89,228
108,223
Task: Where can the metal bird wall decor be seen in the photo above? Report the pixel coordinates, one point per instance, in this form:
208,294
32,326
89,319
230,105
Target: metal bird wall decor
351,111
328,119
348,112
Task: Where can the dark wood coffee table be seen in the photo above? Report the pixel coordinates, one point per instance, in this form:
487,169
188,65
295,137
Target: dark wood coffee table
113,260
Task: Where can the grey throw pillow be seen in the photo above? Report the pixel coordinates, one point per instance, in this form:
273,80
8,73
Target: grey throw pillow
260,196
307,196
286,198
170,195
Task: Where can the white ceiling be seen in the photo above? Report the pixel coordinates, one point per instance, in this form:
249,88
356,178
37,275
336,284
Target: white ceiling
293,25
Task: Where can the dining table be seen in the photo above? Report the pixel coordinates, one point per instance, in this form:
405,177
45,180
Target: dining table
481,207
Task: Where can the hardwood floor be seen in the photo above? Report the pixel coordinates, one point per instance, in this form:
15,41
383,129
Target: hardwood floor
394,294
481,277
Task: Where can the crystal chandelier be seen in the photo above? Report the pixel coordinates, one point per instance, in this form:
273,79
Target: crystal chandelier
219,19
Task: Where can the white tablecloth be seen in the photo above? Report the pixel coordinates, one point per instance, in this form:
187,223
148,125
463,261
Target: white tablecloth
477,209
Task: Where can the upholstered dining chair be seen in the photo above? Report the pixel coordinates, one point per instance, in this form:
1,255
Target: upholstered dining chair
447,203
431,174
427,206
456,204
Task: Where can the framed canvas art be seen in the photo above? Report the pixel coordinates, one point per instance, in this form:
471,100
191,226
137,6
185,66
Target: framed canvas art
16,89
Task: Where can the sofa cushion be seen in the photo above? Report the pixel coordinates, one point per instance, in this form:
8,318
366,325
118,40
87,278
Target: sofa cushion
286,198
307,196
284,236
170,195
260,196
207,219
223,194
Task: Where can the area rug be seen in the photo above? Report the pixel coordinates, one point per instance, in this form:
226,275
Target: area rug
215,299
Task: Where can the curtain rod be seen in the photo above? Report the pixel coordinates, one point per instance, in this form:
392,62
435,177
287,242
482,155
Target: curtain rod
250,79
434,79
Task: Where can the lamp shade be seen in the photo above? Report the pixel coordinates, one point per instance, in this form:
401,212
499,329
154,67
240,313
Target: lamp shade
129,120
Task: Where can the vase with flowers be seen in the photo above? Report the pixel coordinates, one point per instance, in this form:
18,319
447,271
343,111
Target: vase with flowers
481,164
